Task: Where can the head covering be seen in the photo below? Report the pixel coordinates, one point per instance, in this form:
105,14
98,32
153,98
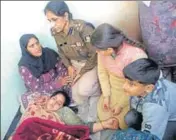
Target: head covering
143,70
37,65
106,36
57,7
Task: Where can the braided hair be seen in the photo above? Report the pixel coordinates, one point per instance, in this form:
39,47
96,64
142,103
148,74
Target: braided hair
106,36
132,42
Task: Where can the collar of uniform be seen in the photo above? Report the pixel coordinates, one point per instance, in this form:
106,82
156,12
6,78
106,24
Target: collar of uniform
158,94
70,30
71,25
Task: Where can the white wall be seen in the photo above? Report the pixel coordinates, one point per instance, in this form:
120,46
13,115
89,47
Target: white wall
19,17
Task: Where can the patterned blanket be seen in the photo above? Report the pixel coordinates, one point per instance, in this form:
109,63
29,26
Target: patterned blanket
41,129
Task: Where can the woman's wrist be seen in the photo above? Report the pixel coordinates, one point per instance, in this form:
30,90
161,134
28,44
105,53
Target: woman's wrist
105,96
102,125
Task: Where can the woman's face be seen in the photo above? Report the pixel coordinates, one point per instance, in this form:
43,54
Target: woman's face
34,47
58,23
55,103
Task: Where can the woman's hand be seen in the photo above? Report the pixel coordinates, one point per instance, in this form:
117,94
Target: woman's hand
106,103
116,110
111,123
78,76
42,99
66,80
71,72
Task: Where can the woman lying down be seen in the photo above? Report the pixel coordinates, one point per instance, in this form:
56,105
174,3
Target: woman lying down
54,108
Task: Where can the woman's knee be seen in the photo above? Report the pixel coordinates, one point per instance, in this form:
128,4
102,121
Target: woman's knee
89,84
89,89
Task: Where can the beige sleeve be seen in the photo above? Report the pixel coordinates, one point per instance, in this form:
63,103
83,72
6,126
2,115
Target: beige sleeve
104,79
124,100
64,59
86,32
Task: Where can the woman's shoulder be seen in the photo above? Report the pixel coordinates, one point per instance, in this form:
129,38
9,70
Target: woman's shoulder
131,47
81,24
49,49
133,50
24,71
131,53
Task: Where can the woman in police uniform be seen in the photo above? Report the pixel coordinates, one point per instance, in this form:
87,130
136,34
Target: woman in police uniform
73,42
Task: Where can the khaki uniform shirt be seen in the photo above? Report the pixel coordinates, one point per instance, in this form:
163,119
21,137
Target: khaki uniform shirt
76,45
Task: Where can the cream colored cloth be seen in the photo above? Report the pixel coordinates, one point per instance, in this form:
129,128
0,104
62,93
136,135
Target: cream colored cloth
78,65
86,93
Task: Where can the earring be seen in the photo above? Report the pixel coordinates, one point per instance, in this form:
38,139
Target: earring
113,55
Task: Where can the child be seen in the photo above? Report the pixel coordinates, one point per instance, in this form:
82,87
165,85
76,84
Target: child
153,96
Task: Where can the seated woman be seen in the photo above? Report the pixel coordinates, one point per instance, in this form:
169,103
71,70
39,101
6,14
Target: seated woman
54,108
41,69
115,51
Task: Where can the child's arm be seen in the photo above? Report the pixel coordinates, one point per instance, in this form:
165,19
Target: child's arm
155,119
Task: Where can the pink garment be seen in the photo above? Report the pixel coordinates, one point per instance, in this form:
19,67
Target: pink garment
125,56
44,85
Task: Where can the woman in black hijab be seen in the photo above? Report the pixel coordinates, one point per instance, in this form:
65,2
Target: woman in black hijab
41,69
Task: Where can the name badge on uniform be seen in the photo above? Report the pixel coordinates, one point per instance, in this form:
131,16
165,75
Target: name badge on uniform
78,44
73,45
87,38
77,26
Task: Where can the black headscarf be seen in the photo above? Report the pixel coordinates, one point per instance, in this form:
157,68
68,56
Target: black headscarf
58,8
37,65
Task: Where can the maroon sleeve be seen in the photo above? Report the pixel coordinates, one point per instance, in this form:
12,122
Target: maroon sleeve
42,84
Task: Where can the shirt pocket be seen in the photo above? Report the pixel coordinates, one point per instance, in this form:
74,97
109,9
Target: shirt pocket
79,45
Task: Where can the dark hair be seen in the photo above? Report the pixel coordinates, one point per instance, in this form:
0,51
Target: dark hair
134,119
59,8
106,36
67,98
143,70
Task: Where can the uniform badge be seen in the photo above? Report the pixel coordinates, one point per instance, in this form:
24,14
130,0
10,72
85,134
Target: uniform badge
78,44
87,38
77,26
73,45
70,32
